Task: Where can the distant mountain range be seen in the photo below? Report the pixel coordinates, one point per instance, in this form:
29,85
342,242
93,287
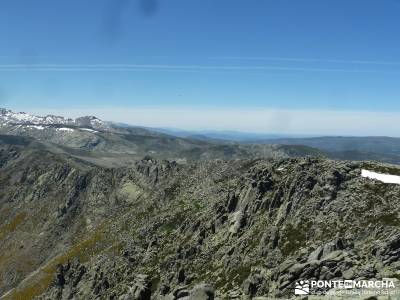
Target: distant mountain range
21,118
379,148
224,135
117,144
109,144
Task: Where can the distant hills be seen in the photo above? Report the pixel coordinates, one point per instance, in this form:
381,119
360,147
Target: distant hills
113,144
223,135
379,148
385,149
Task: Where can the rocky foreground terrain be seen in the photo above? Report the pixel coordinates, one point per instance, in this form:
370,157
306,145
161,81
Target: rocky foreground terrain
157,229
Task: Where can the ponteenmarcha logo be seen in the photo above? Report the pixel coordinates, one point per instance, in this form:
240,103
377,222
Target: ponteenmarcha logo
302,287
323,287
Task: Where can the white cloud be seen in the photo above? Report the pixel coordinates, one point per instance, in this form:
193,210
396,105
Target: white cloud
318,122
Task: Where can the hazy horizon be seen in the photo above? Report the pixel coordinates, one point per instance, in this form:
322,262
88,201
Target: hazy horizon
295,123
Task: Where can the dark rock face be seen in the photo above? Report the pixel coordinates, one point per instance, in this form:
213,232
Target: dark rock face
390,251
160,230
100,280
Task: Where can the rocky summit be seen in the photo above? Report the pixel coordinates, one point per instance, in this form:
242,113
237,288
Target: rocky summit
158,229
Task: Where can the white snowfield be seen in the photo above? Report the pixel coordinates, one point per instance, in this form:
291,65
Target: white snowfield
386,178
88,129
65,129
35,127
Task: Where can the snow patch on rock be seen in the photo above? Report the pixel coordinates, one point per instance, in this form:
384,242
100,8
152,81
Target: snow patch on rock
65,129
386,178
36,127
88,129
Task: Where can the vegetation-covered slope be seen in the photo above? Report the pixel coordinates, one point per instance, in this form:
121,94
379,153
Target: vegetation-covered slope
159,229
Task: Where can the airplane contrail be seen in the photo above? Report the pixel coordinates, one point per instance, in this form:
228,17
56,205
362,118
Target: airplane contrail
293,59
167,67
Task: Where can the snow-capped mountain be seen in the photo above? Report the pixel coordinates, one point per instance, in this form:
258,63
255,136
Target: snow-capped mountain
8,117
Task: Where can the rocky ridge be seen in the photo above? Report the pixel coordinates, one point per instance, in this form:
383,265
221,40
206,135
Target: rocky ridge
156,230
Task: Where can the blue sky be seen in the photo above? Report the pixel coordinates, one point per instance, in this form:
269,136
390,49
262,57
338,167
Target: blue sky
146,56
